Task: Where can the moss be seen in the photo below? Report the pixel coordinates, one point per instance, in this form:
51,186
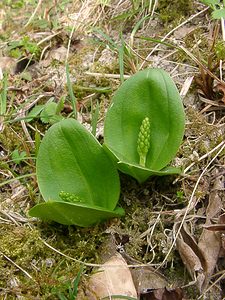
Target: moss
25,248
220,50
173,11
9,140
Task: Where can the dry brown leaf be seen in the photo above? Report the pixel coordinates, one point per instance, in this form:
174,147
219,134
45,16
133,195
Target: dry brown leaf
191,261
215,227
209,241
146,278
113,278
200,259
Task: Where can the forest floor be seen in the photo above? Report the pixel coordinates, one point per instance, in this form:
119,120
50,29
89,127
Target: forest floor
172,232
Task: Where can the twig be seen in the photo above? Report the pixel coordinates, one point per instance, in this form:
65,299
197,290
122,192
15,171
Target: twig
48,38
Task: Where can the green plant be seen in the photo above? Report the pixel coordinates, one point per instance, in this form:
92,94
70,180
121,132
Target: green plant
218,13
180,196
94,118
70,90
48,112
78,181
72,288
22,47
3,96
18,157
126,57
145,124
143,129
217,6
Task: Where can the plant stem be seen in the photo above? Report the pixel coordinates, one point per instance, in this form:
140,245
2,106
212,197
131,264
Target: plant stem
142,161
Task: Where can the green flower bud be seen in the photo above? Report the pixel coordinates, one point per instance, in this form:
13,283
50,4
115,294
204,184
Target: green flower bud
68,197
143,142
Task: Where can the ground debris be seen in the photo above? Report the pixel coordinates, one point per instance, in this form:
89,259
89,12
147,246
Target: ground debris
201,257
162,294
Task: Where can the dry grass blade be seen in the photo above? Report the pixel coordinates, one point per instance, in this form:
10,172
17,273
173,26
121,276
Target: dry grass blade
17,266
34,13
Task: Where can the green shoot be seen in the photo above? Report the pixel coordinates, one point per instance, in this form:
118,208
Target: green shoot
94,118
37,139
72,288
3,95
73,292
135,29
71,94
125,56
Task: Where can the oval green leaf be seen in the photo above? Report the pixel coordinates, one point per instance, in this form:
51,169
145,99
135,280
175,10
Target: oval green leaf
70,159
148,94
73,213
